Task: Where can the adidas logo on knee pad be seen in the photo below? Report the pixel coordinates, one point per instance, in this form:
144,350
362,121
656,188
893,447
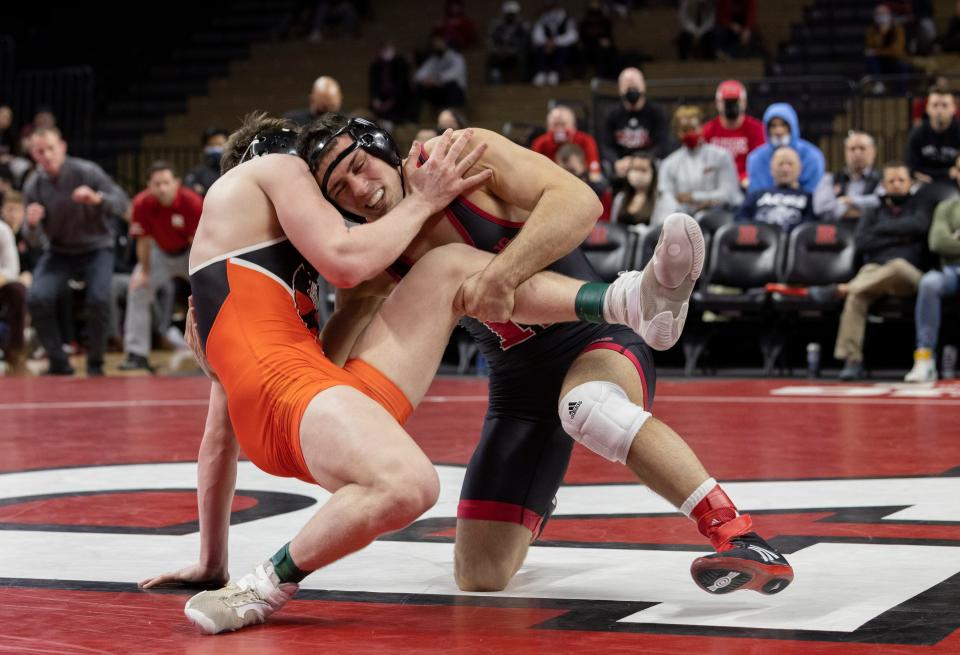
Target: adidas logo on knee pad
573,407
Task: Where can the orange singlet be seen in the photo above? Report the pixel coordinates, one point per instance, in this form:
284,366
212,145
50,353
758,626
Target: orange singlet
256,315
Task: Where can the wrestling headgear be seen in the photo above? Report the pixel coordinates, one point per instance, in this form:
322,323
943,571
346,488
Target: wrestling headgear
281,140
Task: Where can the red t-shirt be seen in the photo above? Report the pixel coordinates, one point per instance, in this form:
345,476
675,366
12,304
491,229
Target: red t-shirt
171,227
547,146
738,142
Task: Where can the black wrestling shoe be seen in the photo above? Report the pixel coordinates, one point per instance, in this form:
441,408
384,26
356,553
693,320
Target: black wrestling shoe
744,561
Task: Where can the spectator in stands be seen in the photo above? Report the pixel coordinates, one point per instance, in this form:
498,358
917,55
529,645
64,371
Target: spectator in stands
784,204
924,27
736,32
782,128
325,95
697,177
596,41
507,41
635,126
334,17
450,119
424,134
732,128
697,22
944,240
933,146
201,178
886,49
562,129
572,159
891,240
69,203
636,204
389,85
848,193
13,213
554,39
441,79
918,108
8,140
42,118
456,28
164,219
13,299
950,41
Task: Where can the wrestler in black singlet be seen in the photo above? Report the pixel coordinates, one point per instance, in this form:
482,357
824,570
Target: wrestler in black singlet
523,452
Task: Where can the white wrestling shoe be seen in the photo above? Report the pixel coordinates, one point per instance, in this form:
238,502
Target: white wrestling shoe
248,601
654,302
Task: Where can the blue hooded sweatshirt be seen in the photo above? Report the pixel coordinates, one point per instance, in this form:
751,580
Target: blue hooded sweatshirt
811,159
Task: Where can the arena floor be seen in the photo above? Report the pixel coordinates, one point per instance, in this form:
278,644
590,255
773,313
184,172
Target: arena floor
858,485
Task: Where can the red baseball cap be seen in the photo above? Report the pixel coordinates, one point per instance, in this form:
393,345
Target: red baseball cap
731,90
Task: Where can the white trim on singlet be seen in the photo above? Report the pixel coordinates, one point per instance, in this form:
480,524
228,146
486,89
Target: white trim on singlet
234,253
261,269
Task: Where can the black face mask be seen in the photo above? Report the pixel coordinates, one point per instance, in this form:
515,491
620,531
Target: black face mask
213,160
898,200
632,96
731,109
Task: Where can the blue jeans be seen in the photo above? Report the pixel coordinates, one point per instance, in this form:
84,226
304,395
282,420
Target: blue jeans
934,285
50,278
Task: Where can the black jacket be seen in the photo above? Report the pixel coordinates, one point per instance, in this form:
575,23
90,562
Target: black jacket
890,232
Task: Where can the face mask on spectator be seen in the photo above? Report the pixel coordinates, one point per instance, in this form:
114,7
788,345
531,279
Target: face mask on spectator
692,139
777,141
639,179
632,95
561,136
731,109
213,153
898,200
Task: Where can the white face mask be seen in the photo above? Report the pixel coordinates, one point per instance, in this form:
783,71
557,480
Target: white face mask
777,141
638,179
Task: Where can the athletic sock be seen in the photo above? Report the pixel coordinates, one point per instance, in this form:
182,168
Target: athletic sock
710,508
284,566
589,303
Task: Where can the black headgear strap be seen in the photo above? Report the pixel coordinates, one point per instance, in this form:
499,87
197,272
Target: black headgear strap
366,136
280,140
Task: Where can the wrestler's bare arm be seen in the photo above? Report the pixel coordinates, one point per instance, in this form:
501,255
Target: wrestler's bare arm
562,209
347,257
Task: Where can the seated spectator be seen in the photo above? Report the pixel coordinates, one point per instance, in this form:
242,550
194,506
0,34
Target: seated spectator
562,129
782,128
325,95
933,146
891,240
441,79
635,126
918,108
924,28
886,49
697,177
636,204
456,28
596,41
507,41
697,21
164,219
784,204
332,17
389,85
736,32
201,178
450,119
13,213
950,41
13,301
571,158
848,193
732,128
944,240
554,38
8,140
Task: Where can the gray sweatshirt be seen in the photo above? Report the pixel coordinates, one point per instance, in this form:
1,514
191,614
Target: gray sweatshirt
70,227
